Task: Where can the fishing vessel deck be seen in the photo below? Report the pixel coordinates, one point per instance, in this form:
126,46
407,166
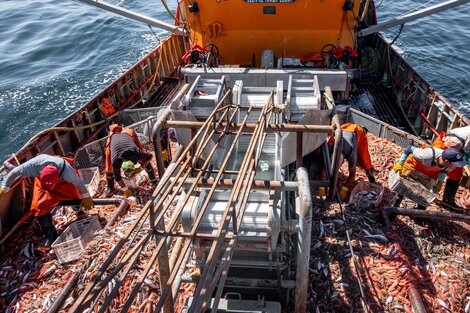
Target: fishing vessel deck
236,221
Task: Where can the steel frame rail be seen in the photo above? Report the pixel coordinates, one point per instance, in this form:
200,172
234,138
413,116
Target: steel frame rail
185,174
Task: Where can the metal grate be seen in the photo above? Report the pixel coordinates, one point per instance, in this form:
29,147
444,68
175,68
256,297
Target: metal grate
129,117
384,130
374,99
165,93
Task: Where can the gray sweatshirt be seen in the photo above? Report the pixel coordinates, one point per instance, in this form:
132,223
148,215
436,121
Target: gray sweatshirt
33,168
463,135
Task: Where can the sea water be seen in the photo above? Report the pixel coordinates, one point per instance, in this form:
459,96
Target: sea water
56,55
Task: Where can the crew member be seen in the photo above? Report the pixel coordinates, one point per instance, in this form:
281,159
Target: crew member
457,138
123,150
166,157
55,180
356,152
432,162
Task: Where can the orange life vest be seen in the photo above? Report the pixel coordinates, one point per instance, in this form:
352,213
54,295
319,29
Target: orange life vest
44,201
432,172
106,107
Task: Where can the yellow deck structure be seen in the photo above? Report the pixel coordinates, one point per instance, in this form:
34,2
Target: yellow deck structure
292,29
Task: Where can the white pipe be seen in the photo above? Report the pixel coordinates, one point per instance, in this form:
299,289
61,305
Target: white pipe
176,285
303,245
134,16
411,16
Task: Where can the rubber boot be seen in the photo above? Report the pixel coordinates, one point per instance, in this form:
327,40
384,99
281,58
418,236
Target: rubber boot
110,189
448,198
151,174
48,228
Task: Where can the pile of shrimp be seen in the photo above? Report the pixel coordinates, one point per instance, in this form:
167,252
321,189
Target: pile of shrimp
30,281
433,257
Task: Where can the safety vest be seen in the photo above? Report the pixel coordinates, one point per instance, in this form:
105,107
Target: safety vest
43,201
430,171
106,107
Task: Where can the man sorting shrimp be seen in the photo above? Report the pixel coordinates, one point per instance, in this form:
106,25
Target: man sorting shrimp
433,162
459,139
356,152
55,180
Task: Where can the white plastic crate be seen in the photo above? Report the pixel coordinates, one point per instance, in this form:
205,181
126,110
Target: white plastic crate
135,181
410,189
366,199
423,179
91,177
73,240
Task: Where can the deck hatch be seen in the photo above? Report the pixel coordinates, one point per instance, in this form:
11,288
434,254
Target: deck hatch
269,10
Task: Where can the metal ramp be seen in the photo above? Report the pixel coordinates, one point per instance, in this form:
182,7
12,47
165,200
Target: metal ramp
238,219
203,96
302,95
256,96
254,234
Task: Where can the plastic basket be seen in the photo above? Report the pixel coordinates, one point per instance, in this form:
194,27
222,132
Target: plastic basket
135,181
91,177
409,188
73,240
419,177
363,194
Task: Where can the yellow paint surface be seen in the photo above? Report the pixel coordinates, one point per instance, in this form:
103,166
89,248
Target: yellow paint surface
240,29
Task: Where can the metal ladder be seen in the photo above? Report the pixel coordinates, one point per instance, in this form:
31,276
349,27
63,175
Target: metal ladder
203,96
302,95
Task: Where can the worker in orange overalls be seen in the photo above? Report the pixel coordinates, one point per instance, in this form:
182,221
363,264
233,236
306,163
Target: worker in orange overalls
457,138
355,150
123,150
55,180
433,162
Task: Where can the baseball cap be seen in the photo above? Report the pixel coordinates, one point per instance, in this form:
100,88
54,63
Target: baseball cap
128,165
129,168
49,177
454,156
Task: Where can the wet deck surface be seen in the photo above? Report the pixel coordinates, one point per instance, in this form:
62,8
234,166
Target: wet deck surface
433,256
376,100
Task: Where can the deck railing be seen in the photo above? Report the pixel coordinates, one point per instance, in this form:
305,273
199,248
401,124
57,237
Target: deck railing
428,111
131,89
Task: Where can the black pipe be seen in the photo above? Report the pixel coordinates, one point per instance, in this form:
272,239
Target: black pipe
416,301
426,214
64,293
121,207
